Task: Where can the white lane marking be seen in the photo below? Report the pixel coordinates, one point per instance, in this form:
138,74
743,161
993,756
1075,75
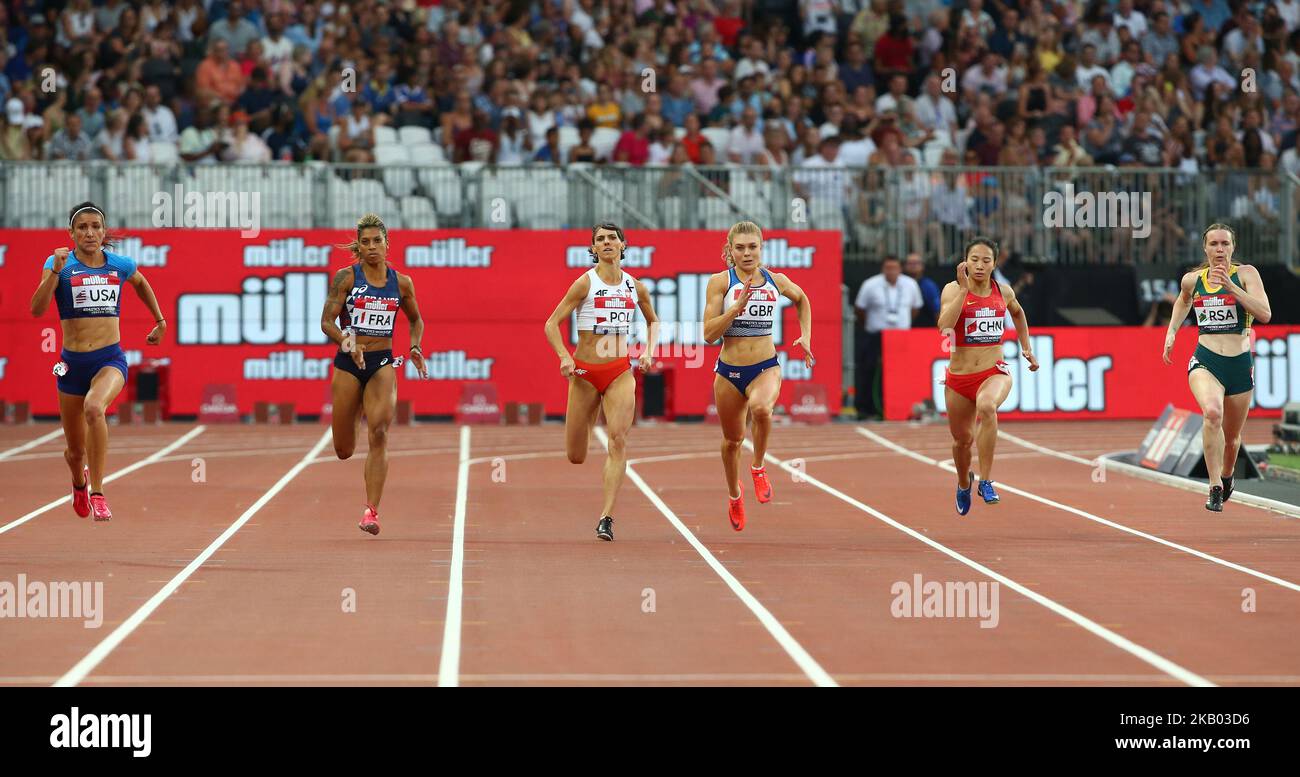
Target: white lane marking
449,664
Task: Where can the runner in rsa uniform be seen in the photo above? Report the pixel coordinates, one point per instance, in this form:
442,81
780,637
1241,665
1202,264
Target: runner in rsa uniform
1227,298
972,313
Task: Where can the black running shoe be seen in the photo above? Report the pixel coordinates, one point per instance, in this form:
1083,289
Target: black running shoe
1227,488
1215,502
605,529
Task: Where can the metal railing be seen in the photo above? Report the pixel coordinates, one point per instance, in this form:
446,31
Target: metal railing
1098,215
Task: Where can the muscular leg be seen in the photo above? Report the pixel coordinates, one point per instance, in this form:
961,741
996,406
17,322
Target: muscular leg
961,423
1235,409
380,400
579,417
345,393
620,408
732,406
74,433
104,388
1209,395
762,395
987,399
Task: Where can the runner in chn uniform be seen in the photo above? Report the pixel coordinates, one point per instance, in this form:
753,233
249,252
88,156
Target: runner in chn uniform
606,299
972,315
1228,298
360,314
741,307
86,283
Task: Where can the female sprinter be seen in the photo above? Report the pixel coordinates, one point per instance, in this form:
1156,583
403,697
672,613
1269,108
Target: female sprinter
364,298
1228,298
972,313
86,282
741,306
606,299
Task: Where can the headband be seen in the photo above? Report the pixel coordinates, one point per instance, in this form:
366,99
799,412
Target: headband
88,207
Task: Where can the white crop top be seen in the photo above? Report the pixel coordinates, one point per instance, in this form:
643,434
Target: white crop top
608,310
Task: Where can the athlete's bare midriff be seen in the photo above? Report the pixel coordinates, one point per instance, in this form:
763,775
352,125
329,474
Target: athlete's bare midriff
600,349
90,334
970,359
743,351
1231,344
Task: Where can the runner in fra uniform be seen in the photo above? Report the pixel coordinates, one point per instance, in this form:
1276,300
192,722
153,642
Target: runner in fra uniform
86,283
972,313
1227,298
365,298
741,306
599,373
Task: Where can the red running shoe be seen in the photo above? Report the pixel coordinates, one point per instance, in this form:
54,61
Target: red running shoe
370,521
99,506
736,512
762,488
81,495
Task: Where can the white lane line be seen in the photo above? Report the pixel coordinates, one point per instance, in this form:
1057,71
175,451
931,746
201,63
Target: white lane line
1127,645
449,664
152,458
1105,462
1094,518
44,438
101,651
788,643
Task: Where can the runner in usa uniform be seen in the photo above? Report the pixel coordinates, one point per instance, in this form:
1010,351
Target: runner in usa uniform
972,313
360,314
1227,298
606,299
741,306
86,283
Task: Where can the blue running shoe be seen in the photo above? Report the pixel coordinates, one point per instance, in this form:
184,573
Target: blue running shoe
986,491
963,496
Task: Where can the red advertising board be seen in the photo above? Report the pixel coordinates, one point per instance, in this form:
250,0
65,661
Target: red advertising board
1090,372
246,312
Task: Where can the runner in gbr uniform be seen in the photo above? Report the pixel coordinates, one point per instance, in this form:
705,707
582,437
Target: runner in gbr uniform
741,307
972,313
1227,298
360,314
606,299
86,283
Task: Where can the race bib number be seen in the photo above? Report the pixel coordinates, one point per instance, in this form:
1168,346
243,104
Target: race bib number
371,315
614,315
984,327
1217,313
95,293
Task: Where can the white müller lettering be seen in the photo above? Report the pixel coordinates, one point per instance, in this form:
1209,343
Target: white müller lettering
122,731
287,365
287,252
455,252
452,365
280,309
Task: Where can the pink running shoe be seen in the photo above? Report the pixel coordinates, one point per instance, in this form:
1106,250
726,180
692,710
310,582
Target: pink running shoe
370,521
99,505
81,495
762,488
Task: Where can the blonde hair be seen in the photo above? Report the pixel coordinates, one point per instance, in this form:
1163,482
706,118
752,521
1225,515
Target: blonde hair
739,228
1205,237
368,221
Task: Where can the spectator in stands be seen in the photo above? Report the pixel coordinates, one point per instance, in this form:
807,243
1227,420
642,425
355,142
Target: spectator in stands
633,145
515,145
281,138
745,143
1068,151
604,111
478,143
457,120
71,142
928,314
988,76
245,146
550,152
14,146
412,104
894,51
886,301
235,30
110,141
1207,72
203,142
935,111
584,151
219,76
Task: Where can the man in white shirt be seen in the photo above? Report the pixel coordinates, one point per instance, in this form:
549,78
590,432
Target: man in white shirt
935,111
753,64
158,117
745,143
1236,41
988,74
886,301
1088,68
1125,16
1289,10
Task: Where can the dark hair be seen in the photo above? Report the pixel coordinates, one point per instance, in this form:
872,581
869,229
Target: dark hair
612,227
980,240
110,239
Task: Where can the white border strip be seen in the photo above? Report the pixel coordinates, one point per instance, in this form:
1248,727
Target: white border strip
86,665
1136,650
152,458
449,663
1261,502
788,643
44,438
